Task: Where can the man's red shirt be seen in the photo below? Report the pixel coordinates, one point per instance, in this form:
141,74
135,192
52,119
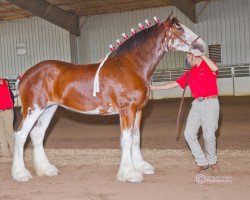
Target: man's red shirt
5,97
202,81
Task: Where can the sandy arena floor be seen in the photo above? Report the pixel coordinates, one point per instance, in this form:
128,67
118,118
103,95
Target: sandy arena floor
86,151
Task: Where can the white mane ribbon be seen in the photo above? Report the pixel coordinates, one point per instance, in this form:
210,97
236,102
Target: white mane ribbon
96,80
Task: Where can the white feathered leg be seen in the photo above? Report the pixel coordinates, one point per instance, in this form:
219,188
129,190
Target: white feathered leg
19,172
127,172
139,164
41,163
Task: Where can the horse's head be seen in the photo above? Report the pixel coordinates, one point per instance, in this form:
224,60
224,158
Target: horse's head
181,38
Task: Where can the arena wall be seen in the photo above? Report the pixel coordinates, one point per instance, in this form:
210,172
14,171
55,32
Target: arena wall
23,43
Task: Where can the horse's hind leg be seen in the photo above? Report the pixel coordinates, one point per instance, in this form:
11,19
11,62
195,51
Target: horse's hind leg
41,163
19,172
139,164
127,172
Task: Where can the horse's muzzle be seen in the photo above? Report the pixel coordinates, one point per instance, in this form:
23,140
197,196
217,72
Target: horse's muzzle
200,46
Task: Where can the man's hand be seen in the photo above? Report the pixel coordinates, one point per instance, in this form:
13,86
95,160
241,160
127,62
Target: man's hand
210,63
152,87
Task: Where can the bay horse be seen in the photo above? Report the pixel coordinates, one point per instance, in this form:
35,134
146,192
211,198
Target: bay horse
124,78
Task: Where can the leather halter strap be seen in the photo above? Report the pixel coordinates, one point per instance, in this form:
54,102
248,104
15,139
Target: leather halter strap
194,41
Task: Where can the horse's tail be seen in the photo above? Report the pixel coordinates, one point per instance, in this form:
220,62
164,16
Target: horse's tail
17,85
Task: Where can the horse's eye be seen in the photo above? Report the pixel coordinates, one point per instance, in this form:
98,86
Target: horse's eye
179,28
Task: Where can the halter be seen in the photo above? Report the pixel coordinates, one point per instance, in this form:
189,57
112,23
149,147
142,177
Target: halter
167,37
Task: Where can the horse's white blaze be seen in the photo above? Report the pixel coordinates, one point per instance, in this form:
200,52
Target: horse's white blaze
188,36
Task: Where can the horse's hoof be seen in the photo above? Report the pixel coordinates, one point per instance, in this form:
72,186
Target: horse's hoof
131,175
22,176
50,170
134,176
145,168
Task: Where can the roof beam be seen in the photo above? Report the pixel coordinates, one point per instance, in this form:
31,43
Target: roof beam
187,7
51,13
5,4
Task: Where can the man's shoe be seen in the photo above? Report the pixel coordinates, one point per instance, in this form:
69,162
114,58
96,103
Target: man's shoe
200,168
215,167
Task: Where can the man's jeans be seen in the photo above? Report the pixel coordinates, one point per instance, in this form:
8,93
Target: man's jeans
205,114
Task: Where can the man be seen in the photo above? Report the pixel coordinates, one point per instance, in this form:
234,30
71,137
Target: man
205,108
6,120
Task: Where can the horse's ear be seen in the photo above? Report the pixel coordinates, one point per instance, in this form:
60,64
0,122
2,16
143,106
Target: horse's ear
170,16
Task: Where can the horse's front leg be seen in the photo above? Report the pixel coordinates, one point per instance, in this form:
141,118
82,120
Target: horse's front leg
127,172
139,163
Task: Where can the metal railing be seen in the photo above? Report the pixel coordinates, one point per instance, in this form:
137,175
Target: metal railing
224,72
12,81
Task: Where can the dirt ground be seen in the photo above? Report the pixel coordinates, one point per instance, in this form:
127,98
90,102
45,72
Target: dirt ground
86,151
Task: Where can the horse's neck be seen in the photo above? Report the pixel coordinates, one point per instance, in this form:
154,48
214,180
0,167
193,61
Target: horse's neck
147,55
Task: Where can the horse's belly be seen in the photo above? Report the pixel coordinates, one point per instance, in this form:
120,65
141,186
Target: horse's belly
97,111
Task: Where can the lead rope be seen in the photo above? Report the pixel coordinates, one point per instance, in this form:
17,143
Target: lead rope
167,37
177,132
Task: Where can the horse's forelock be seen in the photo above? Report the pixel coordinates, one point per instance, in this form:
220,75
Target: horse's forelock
175,21
172,21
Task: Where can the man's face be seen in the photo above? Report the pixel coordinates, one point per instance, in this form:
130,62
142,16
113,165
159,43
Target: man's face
190,59
193,60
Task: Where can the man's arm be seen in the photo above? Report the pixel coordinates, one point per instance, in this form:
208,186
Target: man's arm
1,81
210,63
168,85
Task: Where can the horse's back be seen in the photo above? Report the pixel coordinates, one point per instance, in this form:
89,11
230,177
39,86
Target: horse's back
55,67
47,81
